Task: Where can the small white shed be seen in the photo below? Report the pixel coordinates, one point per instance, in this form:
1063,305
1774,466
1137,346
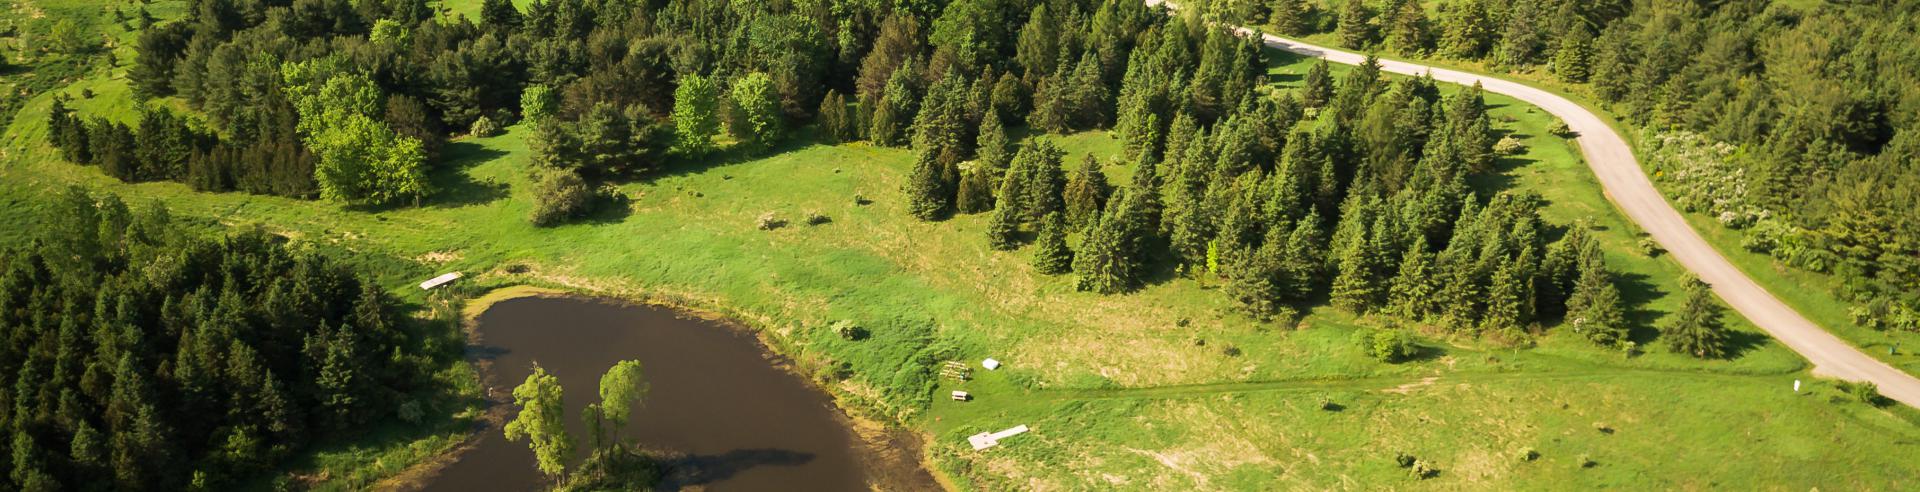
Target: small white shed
990,364
961,396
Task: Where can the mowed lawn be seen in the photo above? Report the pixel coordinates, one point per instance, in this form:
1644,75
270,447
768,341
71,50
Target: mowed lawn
1135,391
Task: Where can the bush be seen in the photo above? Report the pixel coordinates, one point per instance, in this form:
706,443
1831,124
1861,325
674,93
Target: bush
1386,345
1863,392
484,127
847,329
558,195
1560,129
1528,454
1509,146
1423,470
1650,247
817,218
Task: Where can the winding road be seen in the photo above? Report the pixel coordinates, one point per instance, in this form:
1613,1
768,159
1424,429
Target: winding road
1611,159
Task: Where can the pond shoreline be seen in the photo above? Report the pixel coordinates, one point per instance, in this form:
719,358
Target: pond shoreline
892,457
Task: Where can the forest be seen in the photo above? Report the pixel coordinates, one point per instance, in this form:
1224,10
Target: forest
142,355
1797,122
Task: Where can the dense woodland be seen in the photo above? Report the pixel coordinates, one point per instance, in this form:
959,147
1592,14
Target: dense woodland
1797,121
140,356
1351,191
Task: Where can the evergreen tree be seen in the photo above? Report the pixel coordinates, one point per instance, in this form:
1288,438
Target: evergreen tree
1413,292
1086,192
1522,42
990,145
1256,277
1594,309
929,194
1050,255
1572,61
1697,329
1305,258
1003,228
1103,261
1469,31
696,116
1318,88
1289,17
1356,25
1358,289
1410,33
836,119
1506,301
1043,181
976,191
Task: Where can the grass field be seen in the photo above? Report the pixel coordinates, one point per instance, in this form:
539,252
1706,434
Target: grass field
1134,391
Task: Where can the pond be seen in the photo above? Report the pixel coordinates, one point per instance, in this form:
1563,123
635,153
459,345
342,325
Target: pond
718,400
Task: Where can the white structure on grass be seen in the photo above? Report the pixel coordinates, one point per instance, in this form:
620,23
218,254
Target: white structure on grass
986,440
438,281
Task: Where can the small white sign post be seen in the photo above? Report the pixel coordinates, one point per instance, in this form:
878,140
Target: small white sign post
1796,386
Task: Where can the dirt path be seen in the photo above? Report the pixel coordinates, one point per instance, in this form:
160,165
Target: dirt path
1611,159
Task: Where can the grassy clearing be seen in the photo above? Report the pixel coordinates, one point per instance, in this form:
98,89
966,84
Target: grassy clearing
1134,391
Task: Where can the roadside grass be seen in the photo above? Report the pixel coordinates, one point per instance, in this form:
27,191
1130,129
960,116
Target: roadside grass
1134,391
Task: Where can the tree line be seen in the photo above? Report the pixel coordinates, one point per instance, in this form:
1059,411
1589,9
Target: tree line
141,356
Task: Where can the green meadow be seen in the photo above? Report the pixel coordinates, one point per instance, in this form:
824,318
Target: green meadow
1165,388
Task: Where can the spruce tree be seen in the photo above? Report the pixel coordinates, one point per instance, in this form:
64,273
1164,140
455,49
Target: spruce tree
1103,261
1357,289
1050,254
976,191
836,120
1355,28
990,144
928,196
1594,308
1003,229
1318,88
1086,192
1304,261
1697,329
1505,301
1288,17
1255,276
1044,181
1413,292
1469,32
1410,32
1572,61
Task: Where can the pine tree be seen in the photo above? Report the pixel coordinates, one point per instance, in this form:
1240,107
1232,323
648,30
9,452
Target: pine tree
836,120
1469,32
1105,260
1003,228
1521,43
1697,329
1050,255
1572,61
1086,192
990,145
1318,88
1413,292
1304,260
1051,106
1044,181
1411,32
1355,28
1358,288
1256,277
1288,17
1594,308
929,195
976,191
1506,300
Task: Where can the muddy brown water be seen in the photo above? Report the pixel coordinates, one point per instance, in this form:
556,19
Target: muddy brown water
717,400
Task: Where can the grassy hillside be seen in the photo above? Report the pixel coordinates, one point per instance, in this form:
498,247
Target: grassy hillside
1165,388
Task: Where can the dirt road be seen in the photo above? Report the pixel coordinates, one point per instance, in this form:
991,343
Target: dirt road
1628,186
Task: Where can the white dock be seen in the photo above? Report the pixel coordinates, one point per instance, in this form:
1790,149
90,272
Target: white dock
986,440
438,281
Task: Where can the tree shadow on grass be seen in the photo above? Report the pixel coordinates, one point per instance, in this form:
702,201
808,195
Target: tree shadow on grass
798,139
455,186
697,471
1636,293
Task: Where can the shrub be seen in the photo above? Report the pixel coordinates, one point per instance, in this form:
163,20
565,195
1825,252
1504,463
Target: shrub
1863,392
1423,470
1528,454
817,218
1509,146
1650,247
558,195
849,330
1386,345
484,127
1403,459
1560,129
